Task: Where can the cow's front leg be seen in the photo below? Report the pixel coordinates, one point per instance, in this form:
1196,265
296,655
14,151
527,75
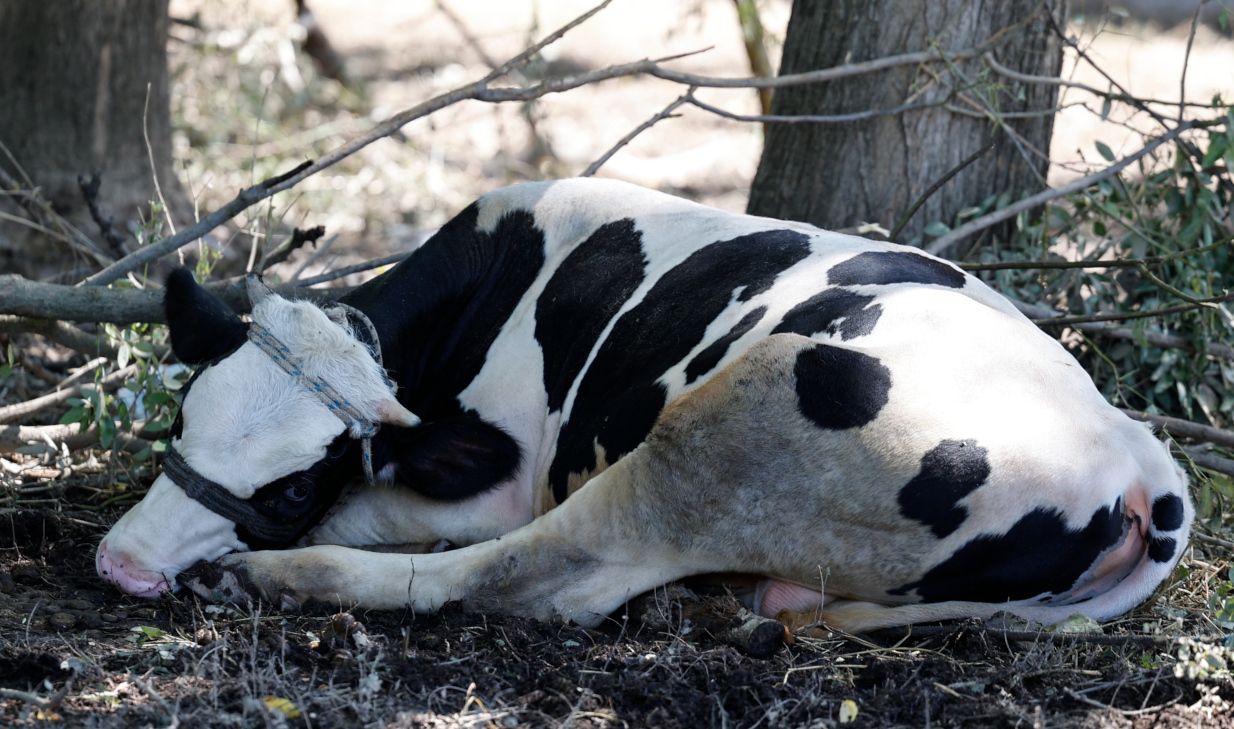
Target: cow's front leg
285,578
578,562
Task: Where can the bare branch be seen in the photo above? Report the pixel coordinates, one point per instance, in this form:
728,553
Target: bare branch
61,333
936,186
16,411
1184,428
943,242
366,266
1044,315
665,113
1182,81
1114,263
13,437
481,91
36,300
812,119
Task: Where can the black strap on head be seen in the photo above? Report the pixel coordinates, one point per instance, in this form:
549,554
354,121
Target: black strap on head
215,497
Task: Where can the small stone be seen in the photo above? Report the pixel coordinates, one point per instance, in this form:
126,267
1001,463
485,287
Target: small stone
109,618
25,573
89,619
80,604
7,586
206,636
62,621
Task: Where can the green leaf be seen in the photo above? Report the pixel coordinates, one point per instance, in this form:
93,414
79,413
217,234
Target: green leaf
1105,109
1104,151
5,371
158,425
937,228
1099,228
1224,18
75,415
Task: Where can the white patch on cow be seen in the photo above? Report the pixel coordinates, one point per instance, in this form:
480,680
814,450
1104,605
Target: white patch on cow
162,535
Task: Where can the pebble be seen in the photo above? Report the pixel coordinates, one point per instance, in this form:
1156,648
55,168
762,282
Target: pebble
109,618
80,604
89,619
25,573
62,621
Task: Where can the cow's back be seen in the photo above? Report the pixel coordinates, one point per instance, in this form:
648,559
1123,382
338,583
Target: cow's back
644,296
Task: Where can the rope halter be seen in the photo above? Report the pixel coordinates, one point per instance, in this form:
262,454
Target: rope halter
223,502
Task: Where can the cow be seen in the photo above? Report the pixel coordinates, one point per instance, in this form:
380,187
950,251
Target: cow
591,389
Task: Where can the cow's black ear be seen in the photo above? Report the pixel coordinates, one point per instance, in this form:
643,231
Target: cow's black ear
451,459
202,327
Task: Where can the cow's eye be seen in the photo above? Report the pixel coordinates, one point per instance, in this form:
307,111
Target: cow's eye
297,493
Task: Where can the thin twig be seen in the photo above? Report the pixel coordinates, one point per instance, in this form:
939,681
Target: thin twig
1124,316
990,219
1114,263
1185,428
812,118
1108,329
1182,81
154,171
665,113
935,188
366,266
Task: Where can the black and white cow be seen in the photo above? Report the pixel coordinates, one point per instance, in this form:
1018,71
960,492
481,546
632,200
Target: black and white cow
620,388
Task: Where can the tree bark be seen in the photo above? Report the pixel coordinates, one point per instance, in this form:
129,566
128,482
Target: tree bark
839,175
73,83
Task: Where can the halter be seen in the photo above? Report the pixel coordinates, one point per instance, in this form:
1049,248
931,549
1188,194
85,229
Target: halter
221,501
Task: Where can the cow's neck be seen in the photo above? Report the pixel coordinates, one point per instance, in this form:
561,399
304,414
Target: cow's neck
439,311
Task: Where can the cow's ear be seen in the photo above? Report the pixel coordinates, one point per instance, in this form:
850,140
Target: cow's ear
452,459
202,327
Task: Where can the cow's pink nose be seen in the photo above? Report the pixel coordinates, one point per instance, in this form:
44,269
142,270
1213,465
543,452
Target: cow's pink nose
125,575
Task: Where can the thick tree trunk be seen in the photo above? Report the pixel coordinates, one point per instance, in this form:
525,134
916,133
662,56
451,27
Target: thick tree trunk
73,81
840,175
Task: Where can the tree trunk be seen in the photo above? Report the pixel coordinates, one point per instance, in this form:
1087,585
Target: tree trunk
840,175
73,83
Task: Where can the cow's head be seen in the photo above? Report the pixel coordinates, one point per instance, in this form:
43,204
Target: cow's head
251,427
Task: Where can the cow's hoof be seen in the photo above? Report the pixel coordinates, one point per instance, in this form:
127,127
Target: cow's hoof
221,582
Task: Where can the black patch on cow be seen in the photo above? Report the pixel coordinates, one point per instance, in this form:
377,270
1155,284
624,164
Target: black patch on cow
584,294
304,497
1038,555
839,388
950,471
1161,549
619,398
706,360
202,327
890,267
450,459
1167,513
834,311
440,310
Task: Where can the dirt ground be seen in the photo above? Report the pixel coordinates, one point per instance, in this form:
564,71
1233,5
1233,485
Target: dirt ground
174,662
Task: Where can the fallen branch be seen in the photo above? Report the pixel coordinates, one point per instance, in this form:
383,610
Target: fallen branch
990,219
16,411
339,273
1185,428
13,437
1207,460
1113,263
61,333
25,298
1045,316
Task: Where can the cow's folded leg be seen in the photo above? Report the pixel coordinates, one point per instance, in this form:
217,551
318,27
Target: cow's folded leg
579,562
